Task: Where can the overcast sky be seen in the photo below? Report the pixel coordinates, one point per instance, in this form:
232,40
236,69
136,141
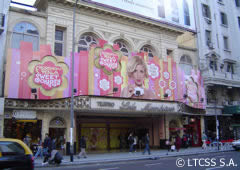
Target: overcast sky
27,2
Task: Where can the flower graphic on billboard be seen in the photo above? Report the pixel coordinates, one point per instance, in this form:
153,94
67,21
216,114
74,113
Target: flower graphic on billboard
172,85
153,70
118,80
104,84
166,75
162,83
107,59
48,75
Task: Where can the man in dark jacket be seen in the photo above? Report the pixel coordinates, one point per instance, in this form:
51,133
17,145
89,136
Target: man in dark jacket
47,148
83,148
146,144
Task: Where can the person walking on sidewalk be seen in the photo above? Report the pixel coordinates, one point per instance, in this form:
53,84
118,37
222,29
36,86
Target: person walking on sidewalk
178,143
135,139
147,148
204,140
83,146
130,141
39,149
47,148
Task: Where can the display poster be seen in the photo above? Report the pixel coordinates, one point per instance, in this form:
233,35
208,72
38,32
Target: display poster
101,71
177,12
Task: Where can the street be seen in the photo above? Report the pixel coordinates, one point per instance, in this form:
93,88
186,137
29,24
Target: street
208,161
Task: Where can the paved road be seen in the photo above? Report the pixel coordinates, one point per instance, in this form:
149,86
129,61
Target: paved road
209,161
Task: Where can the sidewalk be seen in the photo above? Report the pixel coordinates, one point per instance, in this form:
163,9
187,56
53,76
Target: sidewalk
126,156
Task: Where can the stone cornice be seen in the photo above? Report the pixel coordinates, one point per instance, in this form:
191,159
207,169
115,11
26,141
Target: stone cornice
107,105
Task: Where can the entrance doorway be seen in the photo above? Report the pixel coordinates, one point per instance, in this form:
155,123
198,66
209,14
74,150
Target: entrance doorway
57,131
58,134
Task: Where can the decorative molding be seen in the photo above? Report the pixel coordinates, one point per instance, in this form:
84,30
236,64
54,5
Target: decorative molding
80,102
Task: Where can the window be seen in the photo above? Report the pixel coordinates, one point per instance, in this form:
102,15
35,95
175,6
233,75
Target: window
239,22
25,31
208,37
186,13
223,18
59,41
123,47
230,68
147,49
85,42
225,43
11,148
206,11
237,2
169,53
186,64
213,63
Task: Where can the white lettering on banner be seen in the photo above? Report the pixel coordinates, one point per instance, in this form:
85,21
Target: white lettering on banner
24,114
133,105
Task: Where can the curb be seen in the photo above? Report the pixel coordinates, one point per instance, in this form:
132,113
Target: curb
129,158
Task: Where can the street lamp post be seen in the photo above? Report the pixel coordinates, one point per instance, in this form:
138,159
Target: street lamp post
72,76
217,124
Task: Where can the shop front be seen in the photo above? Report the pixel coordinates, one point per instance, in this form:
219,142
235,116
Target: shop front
21,123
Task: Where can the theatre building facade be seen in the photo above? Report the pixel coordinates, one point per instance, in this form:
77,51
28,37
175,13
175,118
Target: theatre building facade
39,67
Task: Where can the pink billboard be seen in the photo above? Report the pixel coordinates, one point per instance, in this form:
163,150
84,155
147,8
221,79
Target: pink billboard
101,71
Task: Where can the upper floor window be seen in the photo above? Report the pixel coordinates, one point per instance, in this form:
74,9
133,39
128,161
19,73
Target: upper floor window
186,13
237,2
25,31
85,42
186,64
147,49
208,37
213,63
223,18
59,45
123,47
230,68
239,22
225,43
206,11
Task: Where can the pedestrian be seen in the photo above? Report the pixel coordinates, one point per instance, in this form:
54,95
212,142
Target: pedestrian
47,148
27,140
130,141
178,143
168,145
204,141
83,146
147,148
121,141
39,148
172,143
135,139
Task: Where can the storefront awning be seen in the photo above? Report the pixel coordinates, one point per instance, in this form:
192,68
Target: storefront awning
231,109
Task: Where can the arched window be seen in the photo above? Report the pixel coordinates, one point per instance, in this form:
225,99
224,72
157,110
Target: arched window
25,31
57,122
186,13
186,64
123,47
85,41
148,49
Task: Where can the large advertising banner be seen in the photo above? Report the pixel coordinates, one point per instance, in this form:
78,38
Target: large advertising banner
177,12
101,71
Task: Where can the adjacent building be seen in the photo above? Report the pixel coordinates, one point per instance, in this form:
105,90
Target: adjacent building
218,34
